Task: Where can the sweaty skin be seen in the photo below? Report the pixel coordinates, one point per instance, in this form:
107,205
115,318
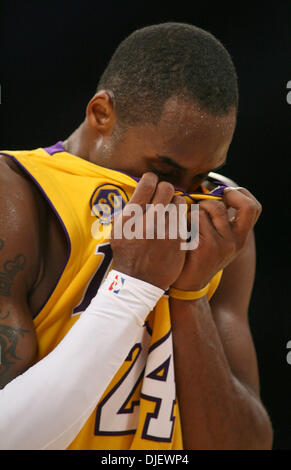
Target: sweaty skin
222,409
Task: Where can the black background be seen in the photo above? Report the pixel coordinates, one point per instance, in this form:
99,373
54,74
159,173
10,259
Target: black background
52,54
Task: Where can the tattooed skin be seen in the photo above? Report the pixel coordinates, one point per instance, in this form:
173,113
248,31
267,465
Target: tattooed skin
11,268
3,316
9,337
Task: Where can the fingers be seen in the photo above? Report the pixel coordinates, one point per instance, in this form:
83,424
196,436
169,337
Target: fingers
164,193
150,205
182,216
218,216
243,191
149,190
214,215
235,227
248,209
252,197
145,190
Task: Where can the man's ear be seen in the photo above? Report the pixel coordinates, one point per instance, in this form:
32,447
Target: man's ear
100,113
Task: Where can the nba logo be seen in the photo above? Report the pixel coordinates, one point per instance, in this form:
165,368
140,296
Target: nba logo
116,285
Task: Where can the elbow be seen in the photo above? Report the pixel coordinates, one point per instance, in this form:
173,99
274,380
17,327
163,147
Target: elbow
263,429
261,436
256,424
267,435
255,433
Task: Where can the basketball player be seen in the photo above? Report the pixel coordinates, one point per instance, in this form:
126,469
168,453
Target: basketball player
132,343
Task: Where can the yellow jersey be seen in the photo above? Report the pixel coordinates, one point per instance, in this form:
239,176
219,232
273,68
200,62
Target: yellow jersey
139,409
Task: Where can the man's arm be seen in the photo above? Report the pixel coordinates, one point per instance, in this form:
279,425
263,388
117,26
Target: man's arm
61,390
216,367
19,266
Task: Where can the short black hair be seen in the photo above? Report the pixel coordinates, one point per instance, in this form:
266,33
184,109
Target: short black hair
169,59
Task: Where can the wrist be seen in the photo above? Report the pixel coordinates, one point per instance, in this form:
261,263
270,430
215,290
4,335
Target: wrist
189,303
126,294
140,275
190,286
187,312
188,295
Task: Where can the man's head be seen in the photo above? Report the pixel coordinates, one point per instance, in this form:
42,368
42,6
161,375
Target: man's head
167,102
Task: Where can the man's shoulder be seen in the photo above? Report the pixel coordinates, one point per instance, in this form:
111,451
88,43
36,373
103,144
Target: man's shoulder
10,167
14,177
18,191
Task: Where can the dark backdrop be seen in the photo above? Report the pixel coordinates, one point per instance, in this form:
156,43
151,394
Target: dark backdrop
52,54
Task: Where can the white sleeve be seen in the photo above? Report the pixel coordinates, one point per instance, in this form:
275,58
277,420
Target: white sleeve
46,407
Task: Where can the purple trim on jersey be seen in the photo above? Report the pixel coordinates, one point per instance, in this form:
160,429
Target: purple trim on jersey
60,220
221,187
218,191
56,148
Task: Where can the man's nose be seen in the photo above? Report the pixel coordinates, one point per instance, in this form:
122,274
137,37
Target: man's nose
189,182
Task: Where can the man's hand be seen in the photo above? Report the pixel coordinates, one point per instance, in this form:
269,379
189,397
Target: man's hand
157,261
220,238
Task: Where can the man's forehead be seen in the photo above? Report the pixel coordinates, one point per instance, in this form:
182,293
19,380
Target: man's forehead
184,133
187,118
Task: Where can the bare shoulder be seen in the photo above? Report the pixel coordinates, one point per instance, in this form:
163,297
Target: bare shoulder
11,174
9,163
19,215
14,181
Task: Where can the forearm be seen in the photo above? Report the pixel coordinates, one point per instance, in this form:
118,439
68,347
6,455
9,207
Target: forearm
46,407
217,411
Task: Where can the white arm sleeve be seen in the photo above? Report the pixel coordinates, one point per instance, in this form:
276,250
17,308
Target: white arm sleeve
46,407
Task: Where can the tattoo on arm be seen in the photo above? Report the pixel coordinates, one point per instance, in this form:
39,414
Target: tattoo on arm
11,268
9,337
